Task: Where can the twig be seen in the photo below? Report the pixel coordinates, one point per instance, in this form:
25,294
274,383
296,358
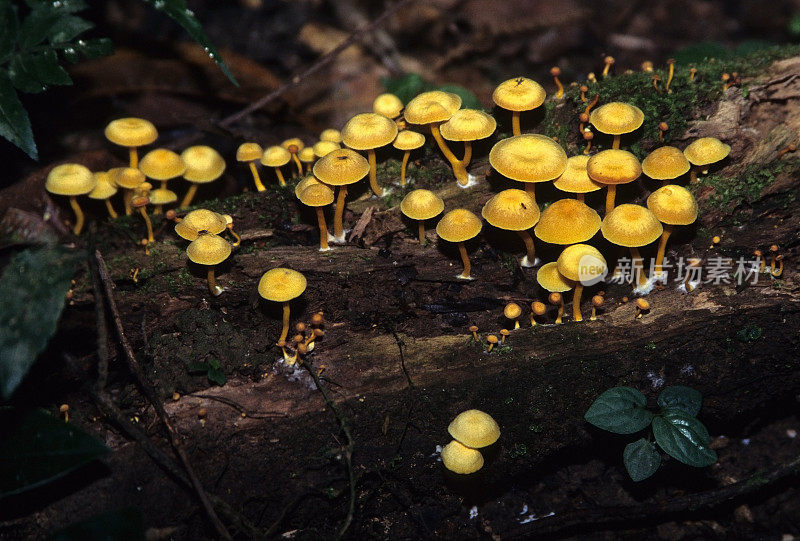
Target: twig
150,393
326,59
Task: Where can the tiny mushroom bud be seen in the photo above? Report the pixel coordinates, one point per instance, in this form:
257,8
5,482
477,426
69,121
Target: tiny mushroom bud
318,319
777,272
474,330
671,64
537,309
492,339
64,410
555,71
584,89
597,302
647,66
512,312
557,300
642,306
790,148
608,61
504,333
760,259
692,72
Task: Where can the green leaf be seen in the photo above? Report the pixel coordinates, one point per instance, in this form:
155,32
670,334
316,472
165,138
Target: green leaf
32,72
406,87
641,459
120,525
681,398
37,26
468,99
67,28
9,26
32,290
90,48
684,438
15,126
620,410
216,374
36,448
180,13
61,6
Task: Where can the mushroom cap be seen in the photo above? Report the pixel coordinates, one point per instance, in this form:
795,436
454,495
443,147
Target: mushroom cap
613,166
387,105
421,205
673,205
512,209
631,226
127,177
331,134
208,249
306,155
461,459
519,94
340,167
323,148
305,183
131,132
474,429
616,118
104,187
316,195
281,284
575,178
200,220
162,164
70,179
433,106
528,158
468,125
249,152
293,141
408,140
567,221
665,163
574,257
275,156
512,310
706,150
141,200
203,164
366,131
162,196
458,225
552,280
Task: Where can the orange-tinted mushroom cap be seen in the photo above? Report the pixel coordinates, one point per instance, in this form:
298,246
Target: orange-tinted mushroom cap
552,280
575,178
631,226
340,167
458,225
468,125
421,205
512,210
706,150
162,164
528,158
567,221
281,284
616,118
203,164
316,195
613,166
131,132
673,205
249,152
519,94
665,163
368,130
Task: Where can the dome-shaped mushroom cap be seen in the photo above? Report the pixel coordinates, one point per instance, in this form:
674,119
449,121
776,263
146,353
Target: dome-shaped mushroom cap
208,249
519,94
461,459
567,221
421,205
340,167
316,195
665,163
458,225
673,205
368,130
616,118
512,310
552,280
613,166
408,140
127,177
305,183
293,142
203,164
306,155
162,164
575,178
200,220
468,125
433,106
70,179
573,257
387,105
104,187
631,226
281,285
131,132
162,196
275,156
249,152
331,134
474,428
706,150
512,209
528,158
323,148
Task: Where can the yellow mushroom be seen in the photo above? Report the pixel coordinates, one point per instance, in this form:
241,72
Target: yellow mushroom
341,168
71,180
517,95
209,250
459,226
276,157
368,131
203,165
250,153
407,141
528,158
282,285
131,133
421,205
318,195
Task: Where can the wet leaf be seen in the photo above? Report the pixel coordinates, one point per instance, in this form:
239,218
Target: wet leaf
681,398
684,438
33,72
15,126
620,410
641,459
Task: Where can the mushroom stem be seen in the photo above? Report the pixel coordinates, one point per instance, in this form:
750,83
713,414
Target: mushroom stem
530,250
126,199
611,195
615,143
297,163
373,173
579,197
237,240
143,212
134,157
187,200
323,230
637,267
576,302
421,228
212,283
73,201
256,178
515,129
159,209
465,260
338,228
403,166
693,175
111,211
662,246
285,330
455,163
281,180
530,188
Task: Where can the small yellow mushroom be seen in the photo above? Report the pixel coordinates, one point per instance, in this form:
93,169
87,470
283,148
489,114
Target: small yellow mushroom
512,312
492,339
537,309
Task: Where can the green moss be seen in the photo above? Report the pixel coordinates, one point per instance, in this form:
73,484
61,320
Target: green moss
747,186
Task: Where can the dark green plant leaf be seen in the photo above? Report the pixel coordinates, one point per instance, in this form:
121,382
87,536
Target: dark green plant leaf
33,72
684,438
32,290
216,374
468,99
37,26
90,48
63,7
406,87
67,28
9,26
180,13
36,448
681,398
120,525
620,410
15,126
641,459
